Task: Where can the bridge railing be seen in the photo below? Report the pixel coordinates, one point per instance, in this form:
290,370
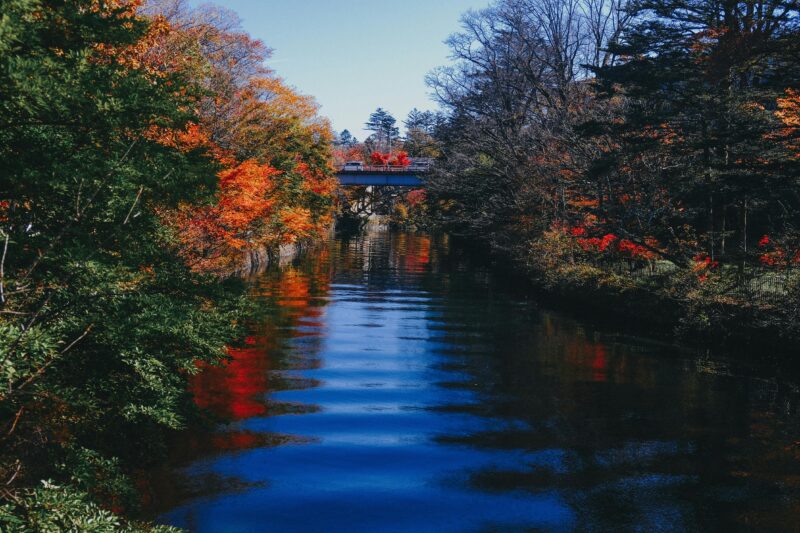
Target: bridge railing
385,168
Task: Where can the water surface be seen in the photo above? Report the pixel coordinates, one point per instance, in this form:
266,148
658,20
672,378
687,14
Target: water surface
390,384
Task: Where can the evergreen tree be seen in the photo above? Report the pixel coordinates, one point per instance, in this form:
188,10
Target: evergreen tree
426,121
346,139
383,124
698,130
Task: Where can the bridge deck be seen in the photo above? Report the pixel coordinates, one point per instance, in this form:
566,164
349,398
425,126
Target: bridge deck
394,178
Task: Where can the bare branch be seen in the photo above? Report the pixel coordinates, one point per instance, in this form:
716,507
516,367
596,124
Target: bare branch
133,205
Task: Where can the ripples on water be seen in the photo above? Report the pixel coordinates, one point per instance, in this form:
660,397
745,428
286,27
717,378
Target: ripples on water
392,386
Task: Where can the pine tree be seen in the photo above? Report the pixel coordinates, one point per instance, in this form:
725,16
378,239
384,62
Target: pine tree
346,139
382,123
697,132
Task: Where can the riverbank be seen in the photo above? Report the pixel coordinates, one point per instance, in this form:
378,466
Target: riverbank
254,261
680,307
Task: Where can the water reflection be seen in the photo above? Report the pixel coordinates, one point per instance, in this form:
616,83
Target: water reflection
391,385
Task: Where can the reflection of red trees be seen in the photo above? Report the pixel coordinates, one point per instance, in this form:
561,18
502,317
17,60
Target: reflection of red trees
236,390
591,359
418,253
599,363
236,440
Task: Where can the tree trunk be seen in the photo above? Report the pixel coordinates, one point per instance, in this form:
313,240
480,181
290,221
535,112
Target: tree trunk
743,226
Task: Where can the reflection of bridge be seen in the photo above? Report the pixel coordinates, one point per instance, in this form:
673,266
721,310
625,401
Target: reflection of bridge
382,176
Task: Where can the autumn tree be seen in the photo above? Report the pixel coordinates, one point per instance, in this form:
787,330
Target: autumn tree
252,119
100,320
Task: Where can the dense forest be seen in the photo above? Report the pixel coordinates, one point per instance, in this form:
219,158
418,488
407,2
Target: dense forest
145,150
630,147
642,154
630,155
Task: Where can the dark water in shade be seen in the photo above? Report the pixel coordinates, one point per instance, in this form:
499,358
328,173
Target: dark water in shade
392,385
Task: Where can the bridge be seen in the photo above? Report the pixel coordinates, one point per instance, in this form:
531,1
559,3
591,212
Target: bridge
364,175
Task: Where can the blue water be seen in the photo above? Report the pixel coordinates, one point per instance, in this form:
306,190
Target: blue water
390,384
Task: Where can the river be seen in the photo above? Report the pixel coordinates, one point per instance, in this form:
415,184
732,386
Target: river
391,383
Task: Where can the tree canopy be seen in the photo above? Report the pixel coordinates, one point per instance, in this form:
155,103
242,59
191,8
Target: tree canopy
144,152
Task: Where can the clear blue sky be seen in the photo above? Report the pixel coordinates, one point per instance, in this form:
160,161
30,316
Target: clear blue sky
355,55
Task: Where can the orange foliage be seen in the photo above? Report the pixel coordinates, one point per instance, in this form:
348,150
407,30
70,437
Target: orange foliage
416,197
249,123
192,137
705,41
379,158
315,181
245,192
343,155
209,234
401,160
297,224
789,113
789,108
142,55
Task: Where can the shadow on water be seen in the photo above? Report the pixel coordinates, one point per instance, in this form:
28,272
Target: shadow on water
393,385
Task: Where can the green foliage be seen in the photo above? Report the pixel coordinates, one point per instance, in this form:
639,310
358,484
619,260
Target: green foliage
56,509
101,321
